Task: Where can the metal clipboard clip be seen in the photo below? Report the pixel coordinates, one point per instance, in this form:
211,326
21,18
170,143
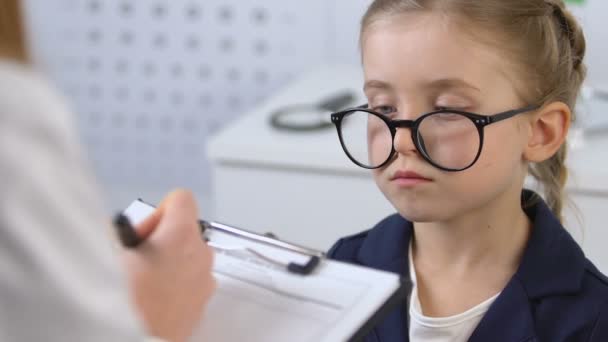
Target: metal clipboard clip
292,267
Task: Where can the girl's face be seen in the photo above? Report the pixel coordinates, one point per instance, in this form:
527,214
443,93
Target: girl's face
416,63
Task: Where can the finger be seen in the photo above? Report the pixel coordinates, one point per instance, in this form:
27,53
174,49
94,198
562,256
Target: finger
145,228
179,217
208,254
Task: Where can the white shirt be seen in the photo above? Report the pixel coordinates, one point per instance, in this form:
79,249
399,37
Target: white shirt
60,279
455,328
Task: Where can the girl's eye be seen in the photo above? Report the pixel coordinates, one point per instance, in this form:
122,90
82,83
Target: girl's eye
448,117
384,110
448,108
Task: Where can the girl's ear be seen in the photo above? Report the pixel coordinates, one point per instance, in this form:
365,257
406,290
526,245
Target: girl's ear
549,128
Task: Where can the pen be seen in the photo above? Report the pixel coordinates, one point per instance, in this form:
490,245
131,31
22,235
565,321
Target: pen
126,232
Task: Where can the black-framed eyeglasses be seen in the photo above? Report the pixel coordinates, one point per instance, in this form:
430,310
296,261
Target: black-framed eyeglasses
450,140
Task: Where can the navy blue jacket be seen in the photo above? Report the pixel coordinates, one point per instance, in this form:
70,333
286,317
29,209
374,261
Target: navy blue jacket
555,295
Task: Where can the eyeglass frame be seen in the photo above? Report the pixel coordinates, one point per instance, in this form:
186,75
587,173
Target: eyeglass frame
480,121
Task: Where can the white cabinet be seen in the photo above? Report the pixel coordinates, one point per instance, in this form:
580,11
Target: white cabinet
301,186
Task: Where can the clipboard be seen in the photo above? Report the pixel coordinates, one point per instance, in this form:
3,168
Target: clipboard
273,290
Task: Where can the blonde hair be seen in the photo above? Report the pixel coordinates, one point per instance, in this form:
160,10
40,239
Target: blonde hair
13,44
544,41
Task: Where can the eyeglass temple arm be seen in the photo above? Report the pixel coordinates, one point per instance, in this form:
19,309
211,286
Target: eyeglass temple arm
510,113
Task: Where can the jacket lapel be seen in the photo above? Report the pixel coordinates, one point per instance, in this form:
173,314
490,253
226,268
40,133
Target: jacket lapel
509,319
387,249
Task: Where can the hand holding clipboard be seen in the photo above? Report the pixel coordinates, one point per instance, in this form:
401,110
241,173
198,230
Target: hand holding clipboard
259,299
168,267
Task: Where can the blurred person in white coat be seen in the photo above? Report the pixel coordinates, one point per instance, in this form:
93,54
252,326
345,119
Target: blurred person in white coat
62,278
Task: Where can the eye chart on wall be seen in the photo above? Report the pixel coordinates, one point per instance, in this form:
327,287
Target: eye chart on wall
151,80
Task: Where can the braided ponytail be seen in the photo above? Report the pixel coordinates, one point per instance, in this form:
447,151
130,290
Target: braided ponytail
572,31
552,174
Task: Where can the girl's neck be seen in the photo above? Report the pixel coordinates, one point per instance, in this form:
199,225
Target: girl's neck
494,235
462,263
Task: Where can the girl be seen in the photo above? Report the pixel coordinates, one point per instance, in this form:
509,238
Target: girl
489,260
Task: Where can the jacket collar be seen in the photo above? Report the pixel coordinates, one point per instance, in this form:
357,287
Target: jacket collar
386,246
552,262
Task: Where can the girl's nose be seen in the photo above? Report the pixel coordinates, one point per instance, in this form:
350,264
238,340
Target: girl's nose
403,142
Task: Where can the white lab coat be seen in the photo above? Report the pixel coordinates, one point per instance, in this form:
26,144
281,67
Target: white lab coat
60,279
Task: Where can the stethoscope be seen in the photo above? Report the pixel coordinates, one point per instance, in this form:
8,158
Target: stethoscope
312,116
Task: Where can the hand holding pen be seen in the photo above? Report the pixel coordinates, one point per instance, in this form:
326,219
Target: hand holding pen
168,267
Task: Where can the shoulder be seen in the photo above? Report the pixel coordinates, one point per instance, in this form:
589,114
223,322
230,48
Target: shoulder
16,77
599,331
595,291
581,315
347,248
593,294
27,99
35,120
595,286
600,279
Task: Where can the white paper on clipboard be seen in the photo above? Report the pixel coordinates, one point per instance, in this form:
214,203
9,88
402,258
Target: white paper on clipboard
259,301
